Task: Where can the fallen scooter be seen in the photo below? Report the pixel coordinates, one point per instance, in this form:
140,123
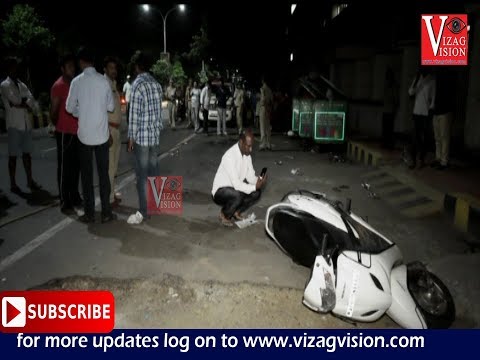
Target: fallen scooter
357,274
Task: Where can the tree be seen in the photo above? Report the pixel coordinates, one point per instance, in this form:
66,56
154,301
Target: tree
199,46
25,34
162,71
178,74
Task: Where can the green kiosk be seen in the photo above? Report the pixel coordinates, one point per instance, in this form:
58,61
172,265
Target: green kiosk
329,121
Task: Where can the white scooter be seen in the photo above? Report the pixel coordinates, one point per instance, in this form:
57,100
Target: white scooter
357,273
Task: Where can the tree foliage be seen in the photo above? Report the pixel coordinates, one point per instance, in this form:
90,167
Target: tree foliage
23,30
199,46
164,71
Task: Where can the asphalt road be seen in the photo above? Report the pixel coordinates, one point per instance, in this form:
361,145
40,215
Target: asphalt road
188,271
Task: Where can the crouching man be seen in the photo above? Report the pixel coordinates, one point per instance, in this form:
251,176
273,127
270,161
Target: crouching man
236,187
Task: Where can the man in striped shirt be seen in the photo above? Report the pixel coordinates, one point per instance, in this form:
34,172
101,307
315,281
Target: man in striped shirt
144,129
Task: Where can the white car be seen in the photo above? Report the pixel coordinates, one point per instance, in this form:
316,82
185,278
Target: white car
212,109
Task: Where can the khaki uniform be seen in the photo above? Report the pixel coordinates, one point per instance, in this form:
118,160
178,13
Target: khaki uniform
114,121
266,105
172,106
239,98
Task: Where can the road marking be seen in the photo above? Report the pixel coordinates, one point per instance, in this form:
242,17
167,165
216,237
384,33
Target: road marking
48,234
49,149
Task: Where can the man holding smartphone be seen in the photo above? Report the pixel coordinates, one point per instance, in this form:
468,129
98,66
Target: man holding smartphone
236,187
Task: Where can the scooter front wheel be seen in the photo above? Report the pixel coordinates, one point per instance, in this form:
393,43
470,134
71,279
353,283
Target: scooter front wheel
432,297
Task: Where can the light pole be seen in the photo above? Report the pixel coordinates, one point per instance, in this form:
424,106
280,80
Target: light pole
181,7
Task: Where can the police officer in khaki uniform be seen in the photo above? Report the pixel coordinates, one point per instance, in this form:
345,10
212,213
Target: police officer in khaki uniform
239,98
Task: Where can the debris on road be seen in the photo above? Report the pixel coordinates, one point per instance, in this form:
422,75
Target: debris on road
337,189
296,172
366,186
4,279
371,193
248,221
344,187
290,157
278,162
336,158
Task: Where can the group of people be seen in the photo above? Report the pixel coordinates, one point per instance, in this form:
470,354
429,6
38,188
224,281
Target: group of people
198,99
433,108
86,112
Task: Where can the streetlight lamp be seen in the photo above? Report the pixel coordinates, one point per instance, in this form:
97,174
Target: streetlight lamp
181,7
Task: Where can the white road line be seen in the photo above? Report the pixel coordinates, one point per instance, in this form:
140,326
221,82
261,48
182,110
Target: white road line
49,149
44,237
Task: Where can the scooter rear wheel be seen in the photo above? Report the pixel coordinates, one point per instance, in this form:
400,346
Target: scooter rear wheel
432,298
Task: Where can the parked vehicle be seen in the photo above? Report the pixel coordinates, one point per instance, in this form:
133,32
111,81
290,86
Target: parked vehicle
212,109
357,273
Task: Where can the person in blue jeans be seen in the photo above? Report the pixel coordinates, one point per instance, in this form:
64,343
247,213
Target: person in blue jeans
144,130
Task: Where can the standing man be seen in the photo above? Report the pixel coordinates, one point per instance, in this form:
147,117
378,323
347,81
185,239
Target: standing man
442,117
127,89
239,99
172,106
423,88
236,187
204,105
144,130
222,94
266,106
114,121
66,128
195,104
90,99
188,104
18,101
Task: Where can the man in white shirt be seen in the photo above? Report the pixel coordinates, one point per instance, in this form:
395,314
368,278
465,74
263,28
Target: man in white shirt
18,101
90,99
204,105
236,187
423,88
172,103
127,90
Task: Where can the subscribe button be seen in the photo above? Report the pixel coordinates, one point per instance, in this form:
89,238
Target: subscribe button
57,311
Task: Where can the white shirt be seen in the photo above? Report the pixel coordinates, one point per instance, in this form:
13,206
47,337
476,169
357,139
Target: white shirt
195,94
424,93
12,94
205,97
127,89
90,99
233,170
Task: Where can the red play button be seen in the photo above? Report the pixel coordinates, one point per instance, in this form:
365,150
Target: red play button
12,312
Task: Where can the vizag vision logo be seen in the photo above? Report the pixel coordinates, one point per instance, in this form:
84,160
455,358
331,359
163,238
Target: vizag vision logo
444,39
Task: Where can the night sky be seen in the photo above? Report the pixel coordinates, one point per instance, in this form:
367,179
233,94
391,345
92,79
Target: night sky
249,35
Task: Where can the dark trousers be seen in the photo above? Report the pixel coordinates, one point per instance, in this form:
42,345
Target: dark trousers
232,200
387,130
205,121
68,169
86,168
419,147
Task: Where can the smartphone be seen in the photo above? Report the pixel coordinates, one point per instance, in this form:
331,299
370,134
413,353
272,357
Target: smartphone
264,171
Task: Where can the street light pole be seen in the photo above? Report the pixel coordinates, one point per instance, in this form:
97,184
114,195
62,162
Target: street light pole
182,8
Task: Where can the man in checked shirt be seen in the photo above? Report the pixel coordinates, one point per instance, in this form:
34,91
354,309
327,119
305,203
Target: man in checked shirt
144,130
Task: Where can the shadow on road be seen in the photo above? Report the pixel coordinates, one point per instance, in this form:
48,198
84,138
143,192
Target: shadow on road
37,198
5,204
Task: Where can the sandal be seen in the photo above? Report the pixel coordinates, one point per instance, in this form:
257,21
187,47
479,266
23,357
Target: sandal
225,222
